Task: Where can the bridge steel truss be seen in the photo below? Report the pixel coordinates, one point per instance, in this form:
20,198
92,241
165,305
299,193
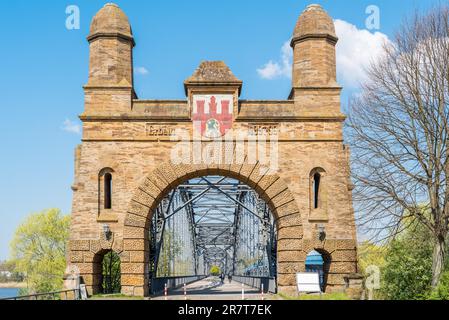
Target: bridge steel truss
211,221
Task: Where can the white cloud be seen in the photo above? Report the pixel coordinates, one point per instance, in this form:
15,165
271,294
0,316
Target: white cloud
356,48
141,71
281,68
71,127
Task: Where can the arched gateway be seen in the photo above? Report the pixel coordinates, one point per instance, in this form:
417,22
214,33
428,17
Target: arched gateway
135,152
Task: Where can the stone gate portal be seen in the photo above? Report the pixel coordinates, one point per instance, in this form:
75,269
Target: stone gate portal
134,152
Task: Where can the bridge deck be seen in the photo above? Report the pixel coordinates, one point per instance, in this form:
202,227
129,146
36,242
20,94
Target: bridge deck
213,289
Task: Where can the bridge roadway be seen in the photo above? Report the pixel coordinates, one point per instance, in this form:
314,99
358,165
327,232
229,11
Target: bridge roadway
212,289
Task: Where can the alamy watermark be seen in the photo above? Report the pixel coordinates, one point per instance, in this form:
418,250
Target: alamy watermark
73,20
372,281
372,22
235,147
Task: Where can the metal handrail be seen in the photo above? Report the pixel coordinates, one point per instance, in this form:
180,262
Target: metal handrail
54,294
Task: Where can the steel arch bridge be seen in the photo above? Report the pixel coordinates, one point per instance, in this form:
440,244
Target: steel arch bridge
212,221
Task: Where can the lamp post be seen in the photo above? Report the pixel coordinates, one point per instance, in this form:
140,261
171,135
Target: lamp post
107,232
321,232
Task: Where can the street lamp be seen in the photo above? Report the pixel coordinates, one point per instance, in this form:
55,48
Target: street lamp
107,232
321,232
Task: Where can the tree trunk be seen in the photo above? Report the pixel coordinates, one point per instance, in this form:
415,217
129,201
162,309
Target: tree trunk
438,260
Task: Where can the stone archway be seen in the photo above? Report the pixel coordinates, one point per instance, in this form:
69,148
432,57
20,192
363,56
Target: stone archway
270,187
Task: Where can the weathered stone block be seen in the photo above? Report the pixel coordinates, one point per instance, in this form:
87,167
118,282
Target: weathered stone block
290,256
76,256
79,245
133,268
294,232
282,198
134,232
150,188
132,280
135,221
169,174
290,244
288,213
135,245
139,256
344,256
276,188
138,209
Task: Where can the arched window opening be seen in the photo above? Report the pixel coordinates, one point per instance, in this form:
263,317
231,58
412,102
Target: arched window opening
316,190
108,191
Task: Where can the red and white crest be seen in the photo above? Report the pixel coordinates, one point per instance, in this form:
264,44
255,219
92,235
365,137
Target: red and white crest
212,115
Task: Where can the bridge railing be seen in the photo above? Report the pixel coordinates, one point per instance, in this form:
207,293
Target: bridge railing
269,284
158,284
73,294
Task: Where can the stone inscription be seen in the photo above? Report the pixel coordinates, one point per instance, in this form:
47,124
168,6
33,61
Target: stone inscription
159,130
263,129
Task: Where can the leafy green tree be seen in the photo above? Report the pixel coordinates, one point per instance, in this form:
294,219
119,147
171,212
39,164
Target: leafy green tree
407,274
39,250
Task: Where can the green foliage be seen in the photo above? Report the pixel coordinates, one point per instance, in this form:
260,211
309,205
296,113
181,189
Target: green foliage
111,273
39,250
215,271
442,291
370,254
406,265
407,274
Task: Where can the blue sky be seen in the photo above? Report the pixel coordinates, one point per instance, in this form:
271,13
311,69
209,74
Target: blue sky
43,67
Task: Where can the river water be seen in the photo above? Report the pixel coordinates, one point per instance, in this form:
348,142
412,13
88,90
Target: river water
8,292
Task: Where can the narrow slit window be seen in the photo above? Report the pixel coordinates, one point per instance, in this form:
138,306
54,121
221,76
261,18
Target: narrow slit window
316,190
108,191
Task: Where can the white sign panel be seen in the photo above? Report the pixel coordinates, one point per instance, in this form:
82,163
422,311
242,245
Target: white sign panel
308,282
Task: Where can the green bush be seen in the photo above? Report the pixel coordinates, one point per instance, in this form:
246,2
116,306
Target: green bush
407,274
442,291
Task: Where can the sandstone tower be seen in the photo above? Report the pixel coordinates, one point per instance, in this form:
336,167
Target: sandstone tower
124,168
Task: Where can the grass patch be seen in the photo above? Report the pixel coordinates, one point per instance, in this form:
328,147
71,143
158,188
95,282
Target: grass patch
326,296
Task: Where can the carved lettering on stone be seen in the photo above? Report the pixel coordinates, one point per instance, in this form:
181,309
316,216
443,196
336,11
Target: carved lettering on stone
159,130
268,129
